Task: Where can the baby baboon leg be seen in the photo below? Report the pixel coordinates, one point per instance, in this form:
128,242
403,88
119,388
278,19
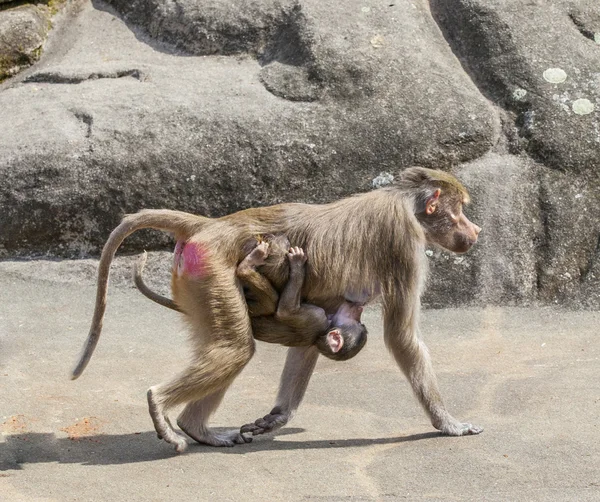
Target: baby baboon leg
412,356
299,365
194,418
262,296
289,302
259,289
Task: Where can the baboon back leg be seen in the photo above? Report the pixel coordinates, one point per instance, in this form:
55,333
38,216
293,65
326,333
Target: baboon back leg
299,366
221,338
207,379
194,418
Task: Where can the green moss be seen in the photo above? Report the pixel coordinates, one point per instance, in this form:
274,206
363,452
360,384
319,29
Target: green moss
53,5
8,65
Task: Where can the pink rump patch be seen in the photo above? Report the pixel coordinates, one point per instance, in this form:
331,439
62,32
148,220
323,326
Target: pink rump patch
194,256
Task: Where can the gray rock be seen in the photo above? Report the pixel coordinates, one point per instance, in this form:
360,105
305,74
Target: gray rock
23,31
539,60
215,106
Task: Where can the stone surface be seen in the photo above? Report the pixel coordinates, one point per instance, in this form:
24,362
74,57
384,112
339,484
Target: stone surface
530,377
215,106
23,30
510,46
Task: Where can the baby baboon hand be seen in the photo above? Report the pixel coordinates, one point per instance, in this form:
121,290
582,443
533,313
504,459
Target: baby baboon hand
296,256
259,254
269,423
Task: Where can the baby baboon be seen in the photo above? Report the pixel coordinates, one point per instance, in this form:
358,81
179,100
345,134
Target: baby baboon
339,336
359,248
283,319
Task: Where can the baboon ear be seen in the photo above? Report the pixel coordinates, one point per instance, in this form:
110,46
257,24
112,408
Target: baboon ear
432,202
335,340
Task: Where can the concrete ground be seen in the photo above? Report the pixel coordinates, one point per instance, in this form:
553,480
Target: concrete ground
531,377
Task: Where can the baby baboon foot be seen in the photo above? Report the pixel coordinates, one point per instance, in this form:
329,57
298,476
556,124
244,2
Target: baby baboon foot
258,255
163,427
269,423
459,429
208,437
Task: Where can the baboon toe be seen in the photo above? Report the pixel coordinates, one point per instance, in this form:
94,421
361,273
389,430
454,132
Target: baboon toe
470,430
181,446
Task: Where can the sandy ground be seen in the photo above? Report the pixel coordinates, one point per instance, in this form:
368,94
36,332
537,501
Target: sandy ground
531,377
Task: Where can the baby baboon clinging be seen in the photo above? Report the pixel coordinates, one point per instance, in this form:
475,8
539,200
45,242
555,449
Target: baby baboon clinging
366,246
283,320
339,336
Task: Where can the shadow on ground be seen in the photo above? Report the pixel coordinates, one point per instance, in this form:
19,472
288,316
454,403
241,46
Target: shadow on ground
114,449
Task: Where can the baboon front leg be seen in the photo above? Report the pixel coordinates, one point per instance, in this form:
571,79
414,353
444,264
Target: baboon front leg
194,418
400,333
299,366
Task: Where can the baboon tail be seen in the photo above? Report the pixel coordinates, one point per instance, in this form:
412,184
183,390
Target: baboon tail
183,225
138,269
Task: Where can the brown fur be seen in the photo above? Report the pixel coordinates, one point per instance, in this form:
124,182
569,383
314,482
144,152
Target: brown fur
367,245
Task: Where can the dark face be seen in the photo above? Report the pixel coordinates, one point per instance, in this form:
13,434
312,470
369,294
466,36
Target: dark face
446,225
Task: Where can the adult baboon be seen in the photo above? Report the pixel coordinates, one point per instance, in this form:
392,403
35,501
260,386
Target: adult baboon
358,248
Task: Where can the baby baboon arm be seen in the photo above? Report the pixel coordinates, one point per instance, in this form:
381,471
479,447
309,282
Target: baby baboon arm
262,293
289,303
299,366
138,269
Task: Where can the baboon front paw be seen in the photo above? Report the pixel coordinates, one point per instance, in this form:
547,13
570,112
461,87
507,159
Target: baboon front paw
269,423
459,429
470,429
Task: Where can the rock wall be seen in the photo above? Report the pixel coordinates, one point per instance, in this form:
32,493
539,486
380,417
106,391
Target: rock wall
212,106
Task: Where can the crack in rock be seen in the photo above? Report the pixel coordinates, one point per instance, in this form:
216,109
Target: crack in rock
61,77
87,119
582,27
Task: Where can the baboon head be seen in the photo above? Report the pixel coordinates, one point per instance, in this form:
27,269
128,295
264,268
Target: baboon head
439,199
